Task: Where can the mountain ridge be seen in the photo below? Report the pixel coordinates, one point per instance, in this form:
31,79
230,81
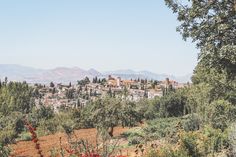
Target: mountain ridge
16,72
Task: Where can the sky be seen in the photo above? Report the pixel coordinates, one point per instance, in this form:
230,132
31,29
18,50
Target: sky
102,34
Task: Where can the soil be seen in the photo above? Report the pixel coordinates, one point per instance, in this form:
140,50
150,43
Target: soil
47,143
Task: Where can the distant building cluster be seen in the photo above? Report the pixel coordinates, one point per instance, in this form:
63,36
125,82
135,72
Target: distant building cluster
78,95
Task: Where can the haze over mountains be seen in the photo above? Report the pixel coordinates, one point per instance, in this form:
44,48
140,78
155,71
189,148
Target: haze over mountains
65,75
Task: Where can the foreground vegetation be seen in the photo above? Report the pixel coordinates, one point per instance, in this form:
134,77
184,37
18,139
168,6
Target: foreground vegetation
195,121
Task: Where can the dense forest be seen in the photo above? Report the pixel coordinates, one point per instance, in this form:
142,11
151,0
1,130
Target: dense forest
195,121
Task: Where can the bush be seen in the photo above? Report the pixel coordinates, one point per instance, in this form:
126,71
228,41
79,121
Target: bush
221,113
151,153
135,136
155,130
68,127
166,151
52,125
160,128
191,142
7,135
25,136
208,141
192,123
4,150
10,127
217,139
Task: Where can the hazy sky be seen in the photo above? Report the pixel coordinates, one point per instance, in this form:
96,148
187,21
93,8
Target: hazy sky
100,34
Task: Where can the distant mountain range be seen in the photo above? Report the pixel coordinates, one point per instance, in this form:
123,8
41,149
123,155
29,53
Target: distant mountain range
65,75
128,74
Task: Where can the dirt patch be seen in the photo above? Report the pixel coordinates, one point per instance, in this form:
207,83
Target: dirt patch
47,143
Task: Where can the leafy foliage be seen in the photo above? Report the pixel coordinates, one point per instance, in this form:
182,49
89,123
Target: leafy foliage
16,96
173,104
211,25
109,112
4,151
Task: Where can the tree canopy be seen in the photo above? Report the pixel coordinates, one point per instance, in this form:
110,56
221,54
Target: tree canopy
211,25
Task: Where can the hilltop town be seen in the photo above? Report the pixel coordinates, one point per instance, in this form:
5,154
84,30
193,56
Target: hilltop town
86,90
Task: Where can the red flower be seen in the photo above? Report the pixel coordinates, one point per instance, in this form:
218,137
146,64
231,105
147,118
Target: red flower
35,140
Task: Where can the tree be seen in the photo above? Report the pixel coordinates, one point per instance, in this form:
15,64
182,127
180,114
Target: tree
70,93
78,103
221,113
198,98
129,115
16,96
84,81
87,80
52,84
125,92
95,80
103,81
221,88
173,104
145,93
110,112
5,80
99,81
53,90
154,83
45,112
211,25
109,92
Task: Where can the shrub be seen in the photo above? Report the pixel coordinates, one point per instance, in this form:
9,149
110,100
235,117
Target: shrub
190,142
151,153
68,127
155,130
208,141
217,139
10,127
192,123
134,136
49,126
221,113
4,150
25,136
161,128
219,117
167,151
52,125
7,135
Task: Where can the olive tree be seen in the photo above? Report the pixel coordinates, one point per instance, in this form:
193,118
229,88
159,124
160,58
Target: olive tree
109,112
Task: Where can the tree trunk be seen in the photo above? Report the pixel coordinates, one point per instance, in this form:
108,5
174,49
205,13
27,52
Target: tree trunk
111,130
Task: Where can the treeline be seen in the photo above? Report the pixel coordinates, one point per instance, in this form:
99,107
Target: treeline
201,105
17,105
